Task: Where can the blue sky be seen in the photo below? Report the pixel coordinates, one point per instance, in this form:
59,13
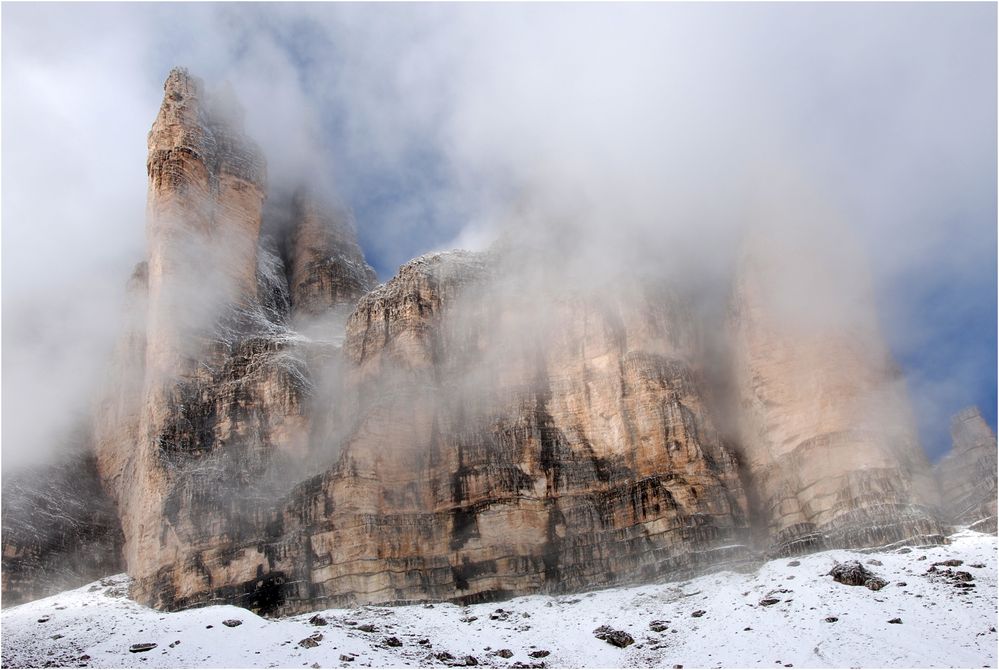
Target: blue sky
434,123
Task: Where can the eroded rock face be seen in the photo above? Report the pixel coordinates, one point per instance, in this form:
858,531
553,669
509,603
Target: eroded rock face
825,425
967,474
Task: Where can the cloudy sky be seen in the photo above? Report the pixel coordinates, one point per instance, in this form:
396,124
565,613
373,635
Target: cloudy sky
435,124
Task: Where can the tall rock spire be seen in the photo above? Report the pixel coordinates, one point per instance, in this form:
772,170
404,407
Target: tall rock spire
327,272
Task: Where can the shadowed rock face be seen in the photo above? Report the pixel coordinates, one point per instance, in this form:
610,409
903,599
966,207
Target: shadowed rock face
279,434
60,530
967,474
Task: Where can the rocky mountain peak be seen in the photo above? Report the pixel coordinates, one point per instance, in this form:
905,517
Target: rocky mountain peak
280,433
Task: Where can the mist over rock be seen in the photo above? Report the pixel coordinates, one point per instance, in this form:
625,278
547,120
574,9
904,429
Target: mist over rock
967,474
279,433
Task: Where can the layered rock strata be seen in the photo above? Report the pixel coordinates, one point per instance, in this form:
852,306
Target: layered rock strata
967,474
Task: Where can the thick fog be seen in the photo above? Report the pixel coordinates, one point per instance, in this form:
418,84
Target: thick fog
645,138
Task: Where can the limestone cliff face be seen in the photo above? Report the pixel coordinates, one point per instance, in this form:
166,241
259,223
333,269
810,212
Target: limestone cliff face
967,475
487,460
825,426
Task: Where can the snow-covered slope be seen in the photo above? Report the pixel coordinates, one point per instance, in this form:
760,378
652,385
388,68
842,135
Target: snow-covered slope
815,622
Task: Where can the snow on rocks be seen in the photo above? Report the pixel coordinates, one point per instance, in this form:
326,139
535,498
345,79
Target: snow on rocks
816,623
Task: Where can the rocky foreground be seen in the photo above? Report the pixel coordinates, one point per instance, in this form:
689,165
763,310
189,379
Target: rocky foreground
936,609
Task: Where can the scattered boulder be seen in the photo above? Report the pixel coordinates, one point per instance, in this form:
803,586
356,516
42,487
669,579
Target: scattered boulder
852,573
443,656
344,658
658,626
424,641
392,642
504,653
832,619
141,647
367,628
904,550
874,561
698,613
318,620
469,619
976,565
950,563
44,619
174,644
471,660
540,653
618,638
895,620
766,602
792,564
232,623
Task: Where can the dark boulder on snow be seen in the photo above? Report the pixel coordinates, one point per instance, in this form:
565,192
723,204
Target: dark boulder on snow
852,573
618,638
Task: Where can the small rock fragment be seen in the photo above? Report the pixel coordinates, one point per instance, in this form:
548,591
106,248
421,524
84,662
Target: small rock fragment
698,613
540,653
232,623
766,602
318,620
367,628
392,642
832,619
141,647
658,626
504,653
895,620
